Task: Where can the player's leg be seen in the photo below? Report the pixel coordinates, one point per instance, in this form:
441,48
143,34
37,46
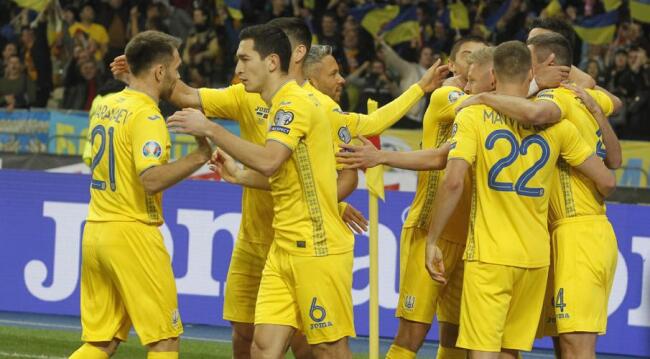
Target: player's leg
323,289
417,299
448,310
586,262
104,320
299,346
334,350
271,341
140,266
276,310
244,276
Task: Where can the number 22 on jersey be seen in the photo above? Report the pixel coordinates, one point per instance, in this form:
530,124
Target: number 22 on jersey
517,149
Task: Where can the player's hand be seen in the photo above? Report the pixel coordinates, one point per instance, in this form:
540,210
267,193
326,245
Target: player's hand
584,96
223,164
434,263
364,156
354,219
471,100
433,78
551,76
120,69
190,121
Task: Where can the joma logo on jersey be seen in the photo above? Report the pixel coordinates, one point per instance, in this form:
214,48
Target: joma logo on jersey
409,302
318,314
262,113
151,149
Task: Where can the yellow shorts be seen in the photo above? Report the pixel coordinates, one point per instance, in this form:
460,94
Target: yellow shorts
419,295
243,281
500,306
584,259
311,294
127,278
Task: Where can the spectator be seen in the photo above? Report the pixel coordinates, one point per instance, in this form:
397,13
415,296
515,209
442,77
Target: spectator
276,8
80,92
16,89
409,73
594,70
329,34
201,51
442,39
90,35
8,52
373,83
639,98
621,79
36,57
177,21
114,17
352,56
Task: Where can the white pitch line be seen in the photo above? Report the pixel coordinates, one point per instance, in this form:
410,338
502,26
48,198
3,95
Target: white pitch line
39,324
31,356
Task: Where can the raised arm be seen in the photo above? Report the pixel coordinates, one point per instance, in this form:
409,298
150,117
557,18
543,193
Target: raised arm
521,109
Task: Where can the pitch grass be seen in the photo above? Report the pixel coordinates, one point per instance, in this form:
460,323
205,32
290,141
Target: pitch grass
18,342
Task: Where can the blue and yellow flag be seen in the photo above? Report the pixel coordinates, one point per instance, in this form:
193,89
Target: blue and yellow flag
640,10
458,16
404,27
373,17
612,4
493,18
553,8
599,29
234,9
36,5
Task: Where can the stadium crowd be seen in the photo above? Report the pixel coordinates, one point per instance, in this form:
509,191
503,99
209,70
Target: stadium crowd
59,58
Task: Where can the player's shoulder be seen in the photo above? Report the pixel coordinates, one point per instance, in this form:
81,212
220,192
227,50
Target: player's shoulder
447,94
556,93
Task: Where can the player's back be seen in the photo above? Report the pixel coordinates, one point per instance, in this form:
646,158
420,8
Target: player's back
574,194
304,189
437,124
514,166
128,136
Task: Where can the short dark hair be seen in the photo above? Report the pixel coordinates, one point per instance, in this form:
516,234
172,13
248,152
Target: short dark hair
552,43
148,48
269,40
463,41
295,28
512,60
556,25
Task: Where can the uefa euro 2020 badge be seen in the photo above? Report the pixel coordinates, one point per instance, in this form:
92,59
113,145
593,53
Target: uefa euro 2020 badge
151,149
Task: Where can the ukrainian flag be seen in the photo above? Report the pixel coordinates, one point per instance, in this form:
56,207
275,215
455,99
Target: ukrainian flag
373,17
599,29
37,5
234,9
492,19
404,27
612,4
458,16
553,8
640,10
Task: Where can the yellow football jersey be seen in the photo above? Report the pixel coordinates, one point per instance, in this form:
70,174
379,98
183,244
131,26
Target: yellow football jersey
573,194
128,136
437,123
252,113
306,221
513,167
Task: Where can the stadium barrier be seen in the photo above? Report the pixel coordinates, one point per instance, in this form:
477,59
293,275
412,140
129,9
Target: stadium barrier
42,216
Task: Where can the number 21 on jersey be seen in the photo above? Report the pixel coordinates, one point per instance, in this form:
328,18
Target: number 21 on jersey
100,132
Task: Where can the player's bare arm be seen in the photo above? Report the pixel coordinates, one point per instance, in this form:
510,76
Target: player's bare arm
549,75
367,156
353,218
615,100
226,166
346,183
596,171
159,178
182,95
265,159
613,152
451,189
581,78
523,110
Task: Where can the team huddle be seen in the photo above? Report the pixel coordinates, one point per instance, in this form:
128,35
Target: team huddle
506,239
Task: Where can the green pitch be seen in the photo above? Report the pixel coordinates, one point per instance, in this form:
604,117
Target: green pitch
17,342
